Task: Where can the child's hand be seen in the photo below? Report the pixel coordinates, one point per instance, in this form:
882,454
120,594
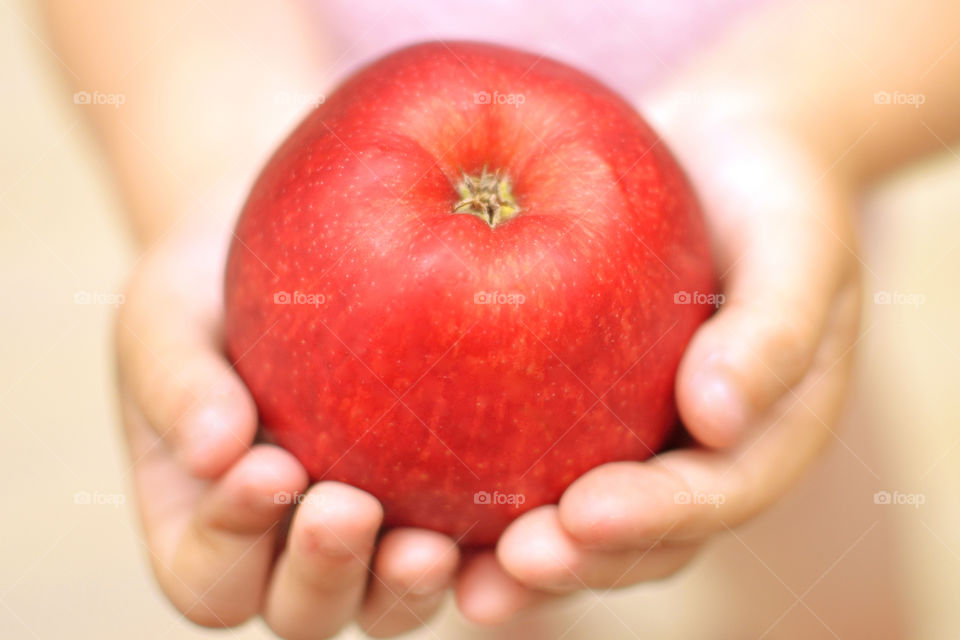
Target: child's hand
759,388
215,506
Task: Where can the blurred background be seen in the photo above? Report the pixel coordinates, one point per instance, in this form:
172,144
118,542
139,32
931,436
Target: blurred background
875,554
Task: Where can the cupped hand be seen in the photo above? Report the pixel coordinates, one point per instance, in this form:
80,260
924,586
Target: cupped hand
216,506
758,389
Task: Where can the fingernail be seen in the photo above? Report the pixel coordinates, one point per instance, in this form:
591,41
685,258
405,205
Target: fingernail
726,409
204,438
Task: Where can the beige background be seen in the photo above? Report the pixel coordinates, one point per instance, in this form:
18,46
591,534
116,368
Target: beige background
825,562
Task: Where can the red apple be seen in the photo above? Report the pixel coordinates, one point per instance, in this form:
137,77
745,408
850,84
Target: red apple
463,281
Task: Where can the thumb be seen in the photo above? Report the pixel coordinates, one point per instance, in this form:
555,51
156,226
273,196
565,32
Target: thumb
784,248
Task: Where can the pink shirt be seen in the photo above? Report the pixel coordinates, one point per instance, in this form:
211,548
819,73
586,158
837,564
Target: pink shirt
628,44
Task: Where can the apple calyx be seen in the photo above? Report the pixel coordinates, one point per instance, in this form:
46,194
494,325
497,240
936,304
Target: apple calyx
488,197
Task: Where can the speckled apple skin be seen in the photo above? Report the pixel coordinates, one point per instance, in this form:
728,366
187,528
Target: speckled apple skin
392,377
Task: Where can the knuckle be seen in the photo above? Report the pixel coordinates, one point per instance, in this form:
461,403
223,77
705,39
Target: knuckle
197,609
787,348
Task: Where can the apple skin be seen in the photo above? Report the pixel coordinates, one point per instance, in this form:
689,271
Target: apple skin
354,295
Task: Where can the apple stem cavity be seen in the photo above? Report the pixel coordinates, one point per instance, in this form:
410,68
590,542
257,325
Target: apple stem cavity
488,197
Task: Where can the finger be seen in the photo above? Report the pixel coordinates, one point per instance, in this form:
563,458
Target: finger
784,252
537,551
219,568
172,367
686,494
321,575
412,570
488,595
